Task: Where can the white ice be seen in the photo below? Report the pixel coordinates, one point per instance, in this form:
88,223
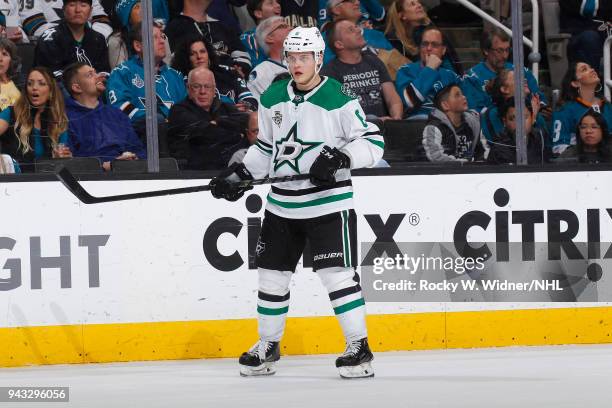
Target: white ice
556,377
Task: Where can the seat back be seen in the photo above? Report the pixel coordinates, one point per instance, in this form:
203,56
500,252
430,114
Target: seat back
403,140
74,164
166,165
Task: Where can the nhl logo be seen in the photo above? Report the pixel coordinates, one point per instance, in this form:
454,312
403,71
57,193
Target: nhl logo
298,99
277,118
137,81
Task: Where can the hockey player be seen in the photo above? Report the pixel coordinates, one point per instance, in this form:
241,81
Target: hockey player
307,125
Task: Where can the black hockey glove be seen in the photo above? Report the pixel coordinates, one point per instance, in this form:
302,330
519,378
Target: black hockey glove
225,185
323,170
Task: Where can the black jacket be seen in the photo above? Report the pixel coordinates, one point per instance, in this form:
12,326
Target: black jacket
57,49
503,147
199,144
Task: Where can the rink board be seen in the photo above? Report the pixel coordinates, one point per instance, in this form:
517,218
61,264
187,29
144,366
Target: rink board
168,277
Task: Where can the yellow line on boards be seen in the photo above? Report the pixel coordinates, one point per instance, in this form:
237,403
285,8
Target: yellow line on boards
97,343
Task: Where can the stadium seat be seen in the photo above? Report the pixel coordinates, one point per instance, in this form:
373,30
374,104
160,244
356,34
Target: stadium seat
556,42
74,164
26,53
166,165
403,140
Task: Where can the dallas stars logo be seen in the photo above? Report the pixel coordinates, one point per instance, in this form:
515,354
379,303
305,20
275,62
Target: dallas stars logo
290,149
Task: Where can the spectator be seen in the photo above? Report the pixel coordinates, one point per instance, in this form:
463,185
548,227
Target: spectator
223,11
350,10
35,127
125,87
271,34
586,43
259,10
231,88
578,94
96,129
406,23
129,14
41,15
361,73
503,146
72,41
226,41
417,83
372,13
301,13
405,18
9,62
495,46
10,22
500,89
452,132
252,130
204,131
592,144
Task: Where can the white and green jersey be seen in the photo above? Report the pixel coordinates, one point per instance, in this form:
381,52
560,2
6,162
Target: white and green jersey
292,131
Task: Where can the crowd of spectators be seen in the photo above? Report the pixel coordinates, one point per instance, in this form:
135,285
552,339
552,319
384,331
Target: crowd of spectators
84,94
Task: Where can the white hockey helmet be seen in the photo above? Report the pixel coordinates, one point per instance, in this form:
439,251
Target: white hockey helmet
305,39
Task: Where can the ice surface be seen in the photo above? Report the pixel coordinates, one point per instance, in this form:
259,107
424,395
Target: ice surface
559,377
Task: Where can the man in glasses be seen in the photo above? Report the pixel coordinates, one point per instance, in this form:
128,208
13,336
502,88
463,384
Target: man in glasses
495,46
308,126
270,35
419,82
204,132
259,10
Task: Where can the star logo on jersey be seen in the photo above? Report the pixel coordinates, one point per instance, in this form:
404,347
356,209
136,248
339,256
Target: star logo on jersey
277,118
290,149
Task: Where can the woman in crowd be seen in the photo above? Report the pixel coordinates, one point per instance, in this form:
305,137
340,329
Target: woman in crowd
579,93
9,62
406,21
231,88
592,141
35,127
501,89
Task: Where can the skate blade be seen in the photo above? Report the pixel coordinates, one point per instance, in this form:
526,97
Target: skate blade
264,369
360,371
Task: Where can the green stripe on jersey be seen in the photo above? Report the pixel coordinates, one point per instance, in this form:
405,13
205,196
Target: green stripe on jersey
272,312
275,94
330,96
262,147
311,203
349,306
345,233
378,143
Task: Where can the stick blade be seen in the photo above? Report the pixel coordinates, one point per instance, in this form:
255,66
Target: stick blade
72,184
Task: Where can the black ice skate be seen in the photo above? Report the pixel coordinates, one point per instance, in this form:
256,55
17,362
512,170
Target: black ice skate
260,359
356,360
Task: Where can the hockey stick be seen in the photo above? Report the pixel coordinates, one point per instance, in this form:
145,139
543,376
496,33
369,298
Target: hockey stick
72,184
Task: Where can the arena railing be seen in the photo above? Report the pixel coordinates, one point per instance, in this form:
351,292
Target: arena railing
534,56
608,69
